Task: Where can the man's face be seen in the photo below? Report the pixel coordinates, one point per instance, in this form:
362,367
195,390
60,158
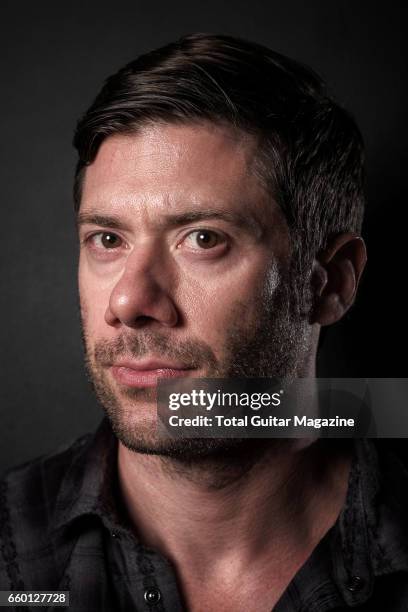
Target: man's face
183,272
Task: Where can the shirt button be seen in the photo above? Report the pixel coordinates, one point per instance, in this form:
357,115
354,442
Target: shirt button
355,584
152,596
114,534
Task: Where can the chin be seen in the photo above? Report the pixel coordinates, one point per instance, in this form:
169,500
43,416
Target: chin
187,450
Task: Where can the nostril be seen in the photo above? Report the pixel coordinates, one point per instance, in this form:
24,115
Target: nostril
142,320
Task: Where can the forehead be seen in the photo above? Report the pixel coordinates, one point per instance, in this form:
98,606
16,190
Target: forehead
173,166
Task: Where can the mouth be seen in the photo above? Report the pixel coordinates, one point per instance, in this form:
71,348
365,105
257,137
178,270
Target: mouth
142,374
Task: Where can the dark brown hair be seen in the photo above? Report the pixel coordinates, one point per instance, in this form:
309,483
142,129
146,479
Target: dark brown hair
310,149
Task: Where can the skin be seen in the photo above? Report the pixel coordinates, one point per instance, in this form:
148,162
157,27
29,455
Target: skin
160,283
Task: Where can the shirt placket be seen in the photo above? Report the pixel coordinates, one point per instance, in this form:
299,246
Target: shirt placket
142,579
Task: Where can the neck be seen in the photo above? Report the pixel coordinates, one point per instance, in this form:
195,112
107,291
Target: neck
239,509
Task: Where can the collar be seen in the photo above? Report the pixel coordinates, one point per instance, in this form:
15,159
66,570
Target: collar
370,539
89,483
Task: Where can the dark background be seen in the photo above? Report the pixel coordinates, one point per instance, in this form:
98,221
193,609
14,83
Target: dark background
54,58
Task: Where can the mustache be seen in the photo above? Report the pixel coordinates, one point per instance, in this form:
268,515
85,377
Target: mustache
190,352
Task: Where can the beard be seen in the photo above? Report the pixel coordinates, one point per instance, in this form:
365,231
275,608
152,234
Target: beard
274,345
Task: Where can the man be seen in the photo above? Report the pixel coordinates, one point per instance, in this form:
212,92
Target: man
219,204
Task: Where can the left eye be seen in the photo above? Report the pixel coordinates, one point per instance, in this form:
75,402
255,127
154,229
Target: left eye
106,240
204,239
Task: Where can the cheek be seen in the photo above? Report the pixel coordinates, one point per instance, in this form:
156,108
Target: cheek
215,304
94,299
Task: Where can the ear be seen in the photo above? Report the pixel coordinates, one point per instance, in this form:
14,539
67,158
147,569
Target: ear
335,277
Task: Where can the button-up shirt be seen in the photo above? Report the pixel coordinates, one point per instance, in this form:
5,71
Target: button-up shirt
62,528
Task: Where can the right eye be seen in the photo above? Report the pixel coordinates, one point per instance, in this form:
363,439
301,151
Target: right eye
105,240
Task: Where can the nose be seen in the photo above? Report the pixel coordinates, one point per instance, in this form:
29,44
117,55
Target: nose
141,296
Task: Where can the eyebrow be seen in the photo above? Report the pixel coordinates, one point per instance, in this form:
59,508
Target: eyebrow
97,219
246,222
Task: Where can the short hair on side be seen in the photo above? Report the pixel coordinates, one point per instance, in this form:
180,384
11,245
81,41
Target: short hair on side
310,149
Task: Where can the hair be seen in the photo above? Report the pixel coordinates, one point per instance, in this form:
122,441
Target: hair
310,153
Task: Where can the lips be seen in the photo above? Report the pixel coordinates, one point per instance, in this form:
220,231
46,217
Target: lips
146,373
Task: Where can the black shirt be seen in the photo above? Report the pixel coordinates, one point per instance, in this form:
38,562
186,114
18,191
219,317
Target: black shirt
61,529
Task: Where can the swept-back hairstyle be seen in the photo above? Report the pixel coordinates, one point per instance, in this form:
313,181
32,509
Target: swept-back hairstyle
310,149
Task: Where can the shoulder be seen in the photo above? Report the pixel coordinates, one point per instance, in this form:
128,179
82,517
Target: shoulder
33,486
28,495
40,499
393,458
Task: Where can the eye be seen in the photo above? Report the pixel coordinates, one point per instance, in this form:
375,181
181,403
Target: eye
106,240
204,239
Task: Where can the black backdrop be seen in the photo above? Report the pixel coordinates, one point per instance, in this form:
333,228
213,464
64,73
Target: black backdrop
54,56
